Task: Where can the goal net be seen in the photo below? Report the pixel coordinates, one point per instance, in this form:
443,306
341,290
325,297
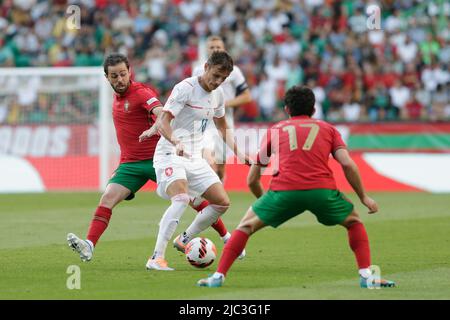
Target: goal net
56,131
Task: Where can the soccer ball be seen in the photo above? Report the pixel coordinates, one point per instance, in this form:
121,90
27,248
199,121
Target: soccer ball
200,252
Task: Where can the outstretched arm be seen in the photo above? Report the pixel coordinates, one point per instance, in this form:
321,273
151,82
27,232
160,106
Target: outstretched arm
157,111
228,138
353,177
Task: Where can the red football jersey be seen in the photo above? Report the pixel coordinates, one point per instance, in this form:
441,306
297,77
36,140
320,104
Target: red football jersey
131,115
302,147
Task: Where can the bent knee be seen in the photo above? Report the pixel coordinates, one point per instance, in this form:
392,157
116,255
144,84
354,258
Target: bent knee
222,201
248,227
220,207
109,200
181,197
351,220
251,226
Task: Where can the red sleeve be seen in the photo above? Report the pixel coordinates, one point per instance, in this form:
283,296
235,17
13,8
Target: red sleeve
338,143
265,151
149,99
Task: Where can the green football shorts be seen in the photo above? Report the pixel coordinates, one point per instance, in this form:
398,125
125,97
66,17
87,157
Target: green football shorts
133,175
329,206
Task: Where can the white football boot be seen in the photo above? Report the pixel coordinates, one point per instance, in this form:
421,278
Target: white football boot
84,247
159,264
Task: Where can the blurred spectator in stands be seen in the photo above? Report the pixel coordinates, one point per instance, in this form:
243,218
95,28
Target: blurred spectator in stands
357,21
407,51
410,76
400,95
319,94
4,109
265,94
292,41
351,110
294,75
277,70
429,49
434,75
423,96
439,102
414,110
39,111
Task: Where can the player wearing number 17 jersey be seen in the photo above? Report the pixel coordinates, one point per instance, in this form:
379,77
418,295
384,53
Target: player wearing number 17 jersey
303,181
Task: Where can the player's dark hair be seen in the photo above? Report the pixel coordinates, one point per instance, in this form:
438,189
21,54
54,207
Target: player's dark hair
300,101
222,59
114,59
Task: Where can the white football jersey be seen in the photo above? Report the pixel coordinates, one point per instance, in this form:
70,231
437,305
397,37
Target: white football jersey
193,108
233,85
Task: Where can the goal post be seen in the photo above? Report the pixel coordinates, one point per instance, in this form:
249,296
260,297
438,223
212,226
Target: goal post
56,122
107,135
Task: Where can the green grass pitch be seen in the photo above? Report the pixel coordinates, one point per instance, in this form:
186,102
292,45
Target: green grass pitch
300,260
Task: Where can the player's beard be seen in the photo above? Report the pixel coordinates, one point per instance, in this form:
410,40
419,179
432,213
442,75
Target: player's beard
121,90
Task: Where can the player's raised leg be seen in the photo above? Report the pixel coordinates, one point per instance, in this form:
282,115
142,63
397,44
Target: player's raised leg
177,192
249,224
219,202
198,204
113,194
359,243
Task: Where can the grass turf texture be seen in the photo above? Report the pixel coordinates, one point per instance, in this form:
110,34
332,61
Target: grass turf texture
300,260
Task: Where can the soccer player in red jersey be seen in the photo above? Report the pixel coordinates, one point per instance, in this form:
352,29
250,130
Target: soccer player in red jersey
135,107
303,181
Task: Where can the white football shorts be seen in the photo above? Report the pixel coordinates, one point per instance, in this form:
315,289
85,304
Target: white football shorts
199,175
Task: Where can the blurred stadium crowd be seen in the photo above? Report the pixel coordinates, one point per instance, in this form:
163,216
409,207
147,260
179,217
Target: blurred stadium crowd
397,72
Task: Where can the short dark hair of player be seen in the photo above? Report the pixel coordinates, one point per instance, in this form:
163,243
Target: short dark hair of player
300,101
222,59
114,59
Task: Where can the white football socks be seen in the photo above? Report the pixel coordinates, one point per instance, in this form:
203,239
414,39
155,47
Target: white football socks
365,273
226,237
218,275
89,242
196,201
169,223
202,221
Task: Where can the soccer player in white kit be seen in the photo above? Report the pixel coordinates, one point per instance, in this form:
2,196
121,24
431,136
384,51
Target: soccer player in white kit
181,171
236,93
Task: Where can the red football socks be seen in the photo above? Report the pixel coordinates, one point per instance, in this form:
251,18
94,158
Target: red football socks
232,250
219,226
359,242
201,206
99,224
